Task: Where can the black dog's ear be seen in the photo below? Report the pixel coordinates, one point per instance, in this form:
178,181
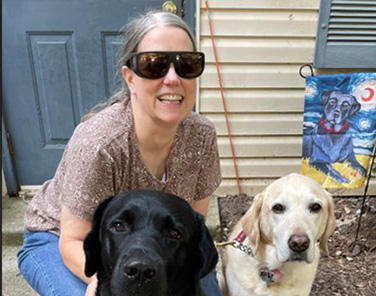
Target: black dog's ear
207,253
325,96
92,245
355,105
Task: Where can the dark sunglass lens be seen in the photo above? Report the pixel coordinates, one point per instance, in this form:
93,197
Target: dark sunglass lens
153,65
190,65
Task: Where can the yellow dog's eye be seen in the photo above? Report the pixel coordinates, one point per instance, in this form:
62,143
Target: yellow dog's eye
278,208
315,208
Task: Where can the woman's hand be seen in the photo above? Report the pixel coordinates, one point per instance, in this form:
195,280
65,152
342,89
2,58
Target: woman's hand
92,286
202,206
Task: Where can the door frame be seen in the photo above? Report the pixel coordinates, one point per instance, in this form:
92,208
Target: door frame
8,168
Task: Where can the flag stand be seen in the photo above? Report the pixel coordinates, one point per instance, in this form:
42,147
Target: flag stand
302,67
364,198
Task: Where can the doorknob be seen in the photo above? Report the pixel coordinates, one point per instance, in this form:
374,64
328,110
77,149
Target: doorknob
169,6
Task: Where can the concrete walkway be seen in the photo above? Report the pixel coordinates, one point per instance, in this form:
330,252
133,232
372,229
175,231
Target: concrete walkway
13,211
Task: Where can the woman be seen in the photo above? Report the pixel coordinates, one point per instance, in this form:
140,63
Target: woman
147,137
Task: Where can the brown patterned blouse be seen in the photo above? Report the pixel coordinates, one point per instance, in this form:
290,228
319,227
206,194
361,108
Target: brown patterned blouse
102,159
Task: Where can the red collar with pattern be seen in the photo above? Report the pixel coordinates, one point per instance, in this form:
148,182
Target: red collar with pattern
332,130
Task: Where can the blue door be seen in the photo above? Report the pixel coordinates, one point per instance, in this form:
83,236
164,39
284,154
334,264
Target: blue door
58,62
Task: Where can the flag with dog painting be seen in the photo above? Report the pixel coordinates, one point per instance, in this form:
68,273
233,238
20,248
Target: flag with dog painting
339,128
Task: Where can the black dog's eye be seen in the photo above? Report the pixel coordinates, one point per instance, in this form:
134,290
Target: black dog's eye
333,102
315,208
346,105
174,234
118,227
278,208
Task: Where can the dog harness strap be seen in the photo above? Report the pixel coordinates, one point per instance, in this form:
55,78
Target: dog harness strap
331,130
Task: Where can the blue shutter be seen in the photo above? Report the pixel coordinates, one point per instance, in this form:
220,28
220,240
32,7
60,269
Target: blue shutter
346,34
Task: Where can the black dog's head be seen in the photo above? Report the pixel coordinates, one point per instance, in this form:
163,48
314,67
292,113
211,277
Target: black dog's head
147,242
338,107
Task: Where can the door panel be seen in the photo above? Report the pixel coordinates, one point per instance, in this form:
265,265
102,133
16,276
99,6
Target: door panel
56,89
59,60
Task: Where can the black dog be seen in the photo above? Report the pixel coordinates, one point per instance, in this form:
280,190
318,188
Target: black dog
330,141
147,242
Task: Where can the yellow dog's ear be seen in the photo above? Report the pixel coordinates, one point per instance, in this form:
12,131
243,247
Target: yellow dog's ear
330,226
251,222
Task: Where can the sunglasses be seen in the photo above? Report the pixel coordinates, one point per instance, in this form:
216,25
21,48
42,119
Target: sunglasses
156,64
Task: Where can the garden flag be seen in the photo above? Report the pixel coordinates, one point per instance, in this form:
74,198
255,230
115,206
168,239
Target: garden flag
339,128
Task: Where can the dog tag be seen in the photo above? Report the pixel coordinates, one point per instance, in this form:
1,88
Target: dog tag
266,276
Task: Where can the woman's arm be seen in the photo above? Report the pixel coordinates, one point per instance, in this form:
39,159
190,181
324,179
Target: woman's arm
202,206
72,234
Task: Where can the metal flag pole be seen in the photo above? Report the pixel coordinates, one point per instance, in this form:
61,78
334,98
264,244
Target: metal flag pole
364,197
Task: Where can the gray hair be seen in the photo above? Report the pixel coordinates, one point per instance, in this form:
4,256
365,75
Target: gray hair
133,33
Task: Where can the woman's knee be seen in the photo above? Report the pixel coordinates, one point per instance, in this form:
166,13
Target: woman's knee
210,284
41,266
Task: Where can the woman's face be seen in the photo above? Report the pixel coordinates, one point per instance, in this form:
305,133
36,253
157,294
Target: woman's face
167,100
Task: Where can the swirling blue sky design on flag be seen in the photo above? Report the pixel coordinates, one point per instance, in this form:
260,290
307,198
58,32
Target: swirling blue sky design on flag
362,124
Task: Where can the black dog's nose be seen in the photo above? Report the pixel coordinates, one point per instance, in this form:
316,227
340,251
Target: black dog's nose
298,243
139,270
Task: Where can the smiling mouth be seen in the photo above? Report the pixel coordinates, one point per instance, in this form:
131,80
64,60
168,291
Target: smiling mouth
298,257
171,99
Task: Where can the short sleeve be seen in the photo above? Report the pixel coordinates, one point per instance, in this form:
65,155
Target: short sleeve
90,176
210,173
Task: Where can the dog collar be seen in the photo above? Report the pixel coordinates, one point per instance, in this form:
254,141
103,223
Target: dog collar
239,244
267,275
332,130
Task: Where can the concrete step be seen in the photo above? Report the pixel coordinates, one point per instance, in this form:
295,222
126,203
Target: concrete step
13,282
213,220
13,210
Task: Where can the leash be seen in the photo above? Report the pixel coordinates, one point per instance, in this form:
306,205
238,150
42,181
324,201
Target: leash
266,274
237,243
223,244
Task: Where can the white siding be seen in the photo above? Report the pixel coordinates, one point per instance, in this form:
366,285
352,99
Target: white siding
261,45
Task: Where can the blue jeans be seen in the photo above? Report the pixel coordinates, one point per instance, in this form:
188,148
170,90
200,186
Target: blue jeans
41,266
